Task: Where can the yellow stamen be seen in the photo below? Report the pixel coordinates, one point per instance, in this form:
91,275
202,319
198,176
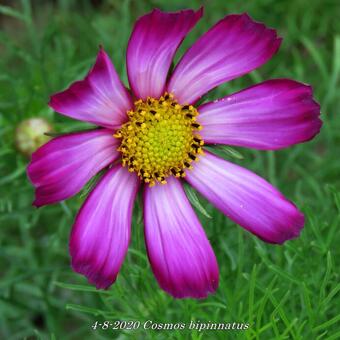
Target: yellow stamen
160,139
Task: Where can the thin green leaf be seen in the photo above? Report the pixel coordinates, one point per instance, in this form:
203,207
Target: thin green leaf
191,193
224,151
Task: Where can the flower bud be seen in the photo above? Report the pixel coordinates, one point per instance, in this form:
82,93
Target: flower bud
30,135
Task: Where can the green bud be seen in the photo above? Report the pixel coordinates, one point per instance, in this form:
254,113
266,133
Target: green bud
29,135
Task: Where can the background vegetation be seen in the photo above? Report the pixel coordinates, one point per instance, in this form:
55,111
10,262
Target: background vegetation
284,292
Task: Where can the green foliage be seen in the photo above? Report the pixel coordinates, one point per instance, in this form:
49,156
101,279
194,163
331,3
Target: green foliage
284,292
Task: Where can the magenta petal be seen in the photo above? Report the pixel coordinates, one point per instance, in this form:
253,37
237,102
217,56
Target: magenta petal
179,251
271,115
100,98
246,198
234,46
61,167
153,43
101,232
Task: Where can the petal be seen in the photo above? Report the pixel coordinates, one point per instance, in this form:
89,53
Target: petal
101,232
152,46
61,167
179,251
100,98
234,46
271,115
246,198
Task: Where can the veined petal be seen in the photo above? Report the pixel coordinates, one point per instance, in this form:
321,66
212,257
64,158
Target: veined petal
61,167
152,46
101,232
179,251
234,46
271,115
246,198
100,98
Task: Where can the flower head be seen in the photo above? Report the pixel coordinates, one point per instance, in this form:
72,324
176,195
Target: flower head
152,138
160,139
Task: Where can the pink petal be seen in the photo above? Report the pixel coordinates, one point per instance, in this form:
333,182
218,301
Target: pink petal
61,167
234,46
152,46
247,199
101,232
179,251
100,98
271,115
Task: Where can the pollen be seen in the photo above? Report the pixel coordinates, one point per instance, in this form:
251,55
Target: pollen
160,139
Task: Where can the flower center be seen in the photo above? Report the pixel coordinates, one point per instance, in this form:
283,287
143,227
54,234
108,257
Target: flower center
160,139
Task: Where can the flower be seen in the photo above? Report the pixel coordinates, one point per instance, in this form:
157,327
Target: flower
151,138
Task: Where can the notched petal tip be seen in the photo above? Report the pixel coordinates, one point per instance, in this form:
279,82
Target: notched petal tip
36,204
201,11
100,281
257,24
293,231
194,294
102,57
52,101
277,44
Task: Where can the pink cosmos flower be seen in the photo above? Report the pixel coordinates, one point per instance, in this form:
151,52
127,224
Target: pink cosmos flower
150,138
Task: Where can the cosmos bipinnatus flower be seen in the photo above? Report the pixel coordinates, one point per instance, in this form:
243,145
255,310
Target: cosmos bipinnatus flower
152,138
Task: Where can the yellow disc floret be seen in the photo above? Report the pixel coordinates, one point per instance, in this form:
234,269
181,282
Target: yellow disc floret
160,139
